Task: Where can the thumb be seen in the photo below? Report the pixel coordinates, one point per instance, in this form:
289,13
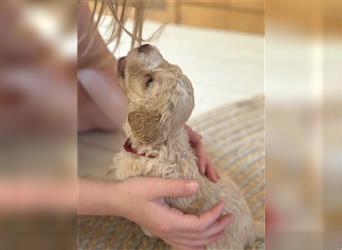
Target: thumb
172,188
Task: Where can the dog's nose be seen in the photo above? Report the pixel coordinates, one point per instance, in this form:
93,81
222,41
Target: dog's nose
121,65
144,48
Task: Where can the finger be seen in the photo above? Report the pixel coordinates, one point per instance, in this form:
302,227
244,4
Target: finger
179,246
201,155
196,136
193,223
217,174
216,228
211,172
193,135
158,187
200,242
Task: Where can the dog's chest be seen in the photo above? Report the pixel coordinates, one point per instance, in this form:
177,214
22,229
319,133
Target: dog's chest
126,165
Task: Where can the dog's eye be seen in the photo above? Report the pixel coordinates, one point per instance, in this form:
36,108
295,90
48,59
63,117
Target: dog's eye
149,81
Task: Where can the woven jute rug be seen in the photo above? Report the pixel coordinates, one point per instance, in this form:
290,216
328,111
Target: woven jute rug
234,138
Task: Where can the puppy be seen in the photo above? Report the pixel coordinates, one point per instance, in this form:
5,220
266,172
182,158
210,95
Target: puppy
160,101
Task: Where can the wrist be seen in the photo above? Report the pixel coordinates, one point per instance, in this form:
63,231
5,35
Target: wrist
97,197
115,200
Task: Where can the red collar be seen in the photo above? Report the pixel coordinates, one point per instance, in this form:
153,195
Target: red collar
128,147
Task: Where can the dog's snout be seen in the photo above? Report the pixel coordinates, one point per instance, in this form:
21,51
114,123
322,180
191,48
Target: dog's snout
144,48
121,65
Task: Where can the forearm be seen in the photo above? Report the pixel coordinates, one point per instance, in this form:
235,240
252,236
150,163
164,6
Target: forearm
97,197
32,195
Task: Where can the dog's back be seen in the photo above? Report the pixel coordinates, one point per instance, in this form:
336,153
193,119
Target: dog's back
242,231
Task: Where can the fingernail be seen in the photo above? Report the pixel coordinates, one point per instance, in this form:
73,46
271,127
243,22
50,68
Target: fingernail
191,186
222,205
230,218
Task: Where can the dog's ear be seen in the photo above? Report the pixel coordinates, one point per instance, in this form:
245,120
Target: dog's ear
146,125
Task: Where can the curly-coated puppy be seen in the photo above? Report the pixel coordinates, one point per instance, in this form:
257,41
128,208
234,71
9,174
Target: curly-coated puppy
161,100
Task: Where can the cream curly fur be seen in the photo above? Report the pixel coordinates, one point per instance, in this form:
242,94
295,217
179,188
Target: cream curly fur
160,102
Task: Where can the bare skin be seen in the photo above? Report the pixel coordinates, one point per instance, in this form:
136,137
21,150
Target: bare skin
101,102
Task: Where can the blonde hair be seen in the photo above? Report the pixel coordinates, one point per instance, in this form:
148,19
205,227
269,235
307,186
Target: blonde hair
121,11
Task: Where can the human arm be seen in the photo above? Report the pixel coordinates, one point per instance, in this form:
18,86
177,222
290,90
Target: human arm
101,102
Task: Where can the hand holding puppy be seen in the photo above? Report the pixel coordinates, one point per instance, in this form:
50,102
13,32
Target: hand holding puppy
141,200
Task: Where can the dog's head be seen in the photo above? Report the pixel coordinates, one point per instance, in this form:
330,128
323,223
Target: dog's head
160,96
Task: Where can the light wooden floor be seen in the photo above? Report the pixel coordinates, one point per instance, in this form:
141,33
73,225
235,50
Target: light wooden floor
223,67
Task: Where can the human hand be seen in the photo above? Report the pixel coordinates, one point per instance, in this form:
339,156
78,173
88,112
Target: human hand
141,200
204,164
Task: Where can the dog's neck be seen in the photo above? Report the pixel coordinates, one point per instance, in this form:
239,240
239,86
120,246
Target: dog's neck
175,150
177,142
